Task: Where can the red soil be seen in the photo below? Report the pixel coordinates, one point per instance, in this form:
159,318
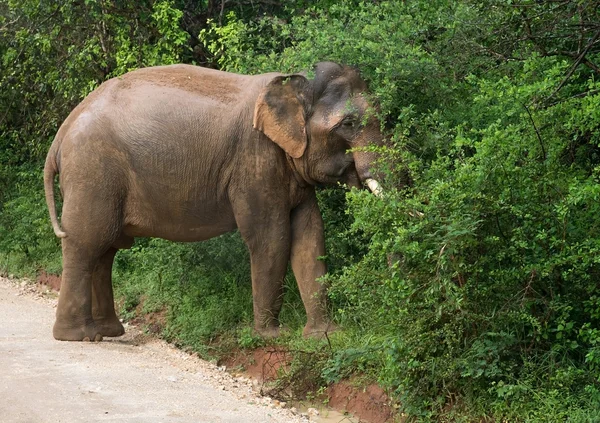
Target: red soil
49,280
370,404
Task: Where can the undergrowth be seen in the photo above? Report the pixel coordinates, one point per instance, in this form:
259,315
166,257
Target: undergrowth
469,291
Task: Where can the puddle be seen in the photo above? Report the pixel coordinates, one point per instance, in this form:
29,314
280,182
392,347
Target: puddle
328,415
332,416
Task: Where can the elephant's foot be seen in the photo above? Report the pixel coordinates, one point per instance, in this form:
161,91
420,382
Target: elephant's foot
268,332
110,327
86,333
319,331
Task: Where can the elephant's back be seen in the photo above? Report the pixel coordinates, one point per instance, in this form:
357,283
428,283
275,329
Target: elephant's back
179,105
187,80
158,115
150,102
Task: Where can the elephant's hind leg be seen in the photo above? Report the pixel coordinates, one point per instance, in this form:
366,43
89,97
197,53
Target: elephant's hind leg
74,321
103,305
92,226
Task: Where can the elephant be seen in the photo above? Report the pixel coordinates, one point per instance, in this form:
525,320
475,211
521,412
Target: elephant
187,153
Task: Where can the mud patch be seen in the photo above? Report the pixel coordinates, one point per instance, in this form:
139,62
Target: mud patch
153,322
263,364
49,280
369,404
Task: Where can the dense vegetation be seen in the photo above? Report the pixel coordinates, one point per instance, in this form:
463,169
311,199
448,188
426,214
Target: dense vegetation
470,290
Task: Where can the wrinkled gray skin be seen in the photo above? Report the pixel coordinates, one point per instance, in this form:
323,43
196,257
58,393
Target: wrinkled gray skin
186,153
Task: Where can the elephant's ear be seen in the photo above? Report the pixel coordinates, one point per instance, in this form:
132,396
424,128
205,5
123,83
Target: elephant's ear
280,113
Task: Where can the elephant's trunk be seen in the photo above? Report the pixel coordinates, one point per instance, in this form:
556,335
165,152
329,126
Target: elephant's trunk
363,160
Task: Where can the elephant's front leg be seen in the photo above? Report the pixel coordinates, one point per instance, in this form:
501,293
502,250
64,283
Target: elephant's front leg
268,240
307,245
269,264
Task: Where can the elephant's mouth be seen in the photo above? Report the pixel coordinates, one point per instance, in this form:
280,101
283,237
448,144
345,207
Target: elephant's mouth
349,176
340,175
352,178
343,172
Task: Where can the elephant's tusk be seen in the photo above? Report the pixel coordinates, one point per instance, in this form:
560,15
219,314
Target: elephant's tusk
374,187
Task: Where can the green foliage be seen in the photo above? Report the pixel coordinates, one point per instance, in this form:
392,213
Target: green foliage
54,53
204,288
169,39
479,278
470,290
247,338
348,361
27,243
495,254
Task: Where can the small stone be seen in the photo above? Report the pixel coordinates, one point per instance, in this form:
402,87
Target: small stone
294,410
312,412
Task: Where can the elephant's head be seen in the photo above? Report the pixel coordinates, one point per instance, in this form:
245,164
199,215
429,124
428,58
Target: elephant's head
318,121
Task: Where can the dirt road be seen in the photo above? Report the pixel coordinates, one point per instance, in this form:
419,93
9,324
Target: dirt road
129,379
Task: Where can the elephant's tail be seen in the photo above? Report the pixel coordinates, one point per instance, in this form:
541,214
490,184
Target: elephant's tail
50,171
